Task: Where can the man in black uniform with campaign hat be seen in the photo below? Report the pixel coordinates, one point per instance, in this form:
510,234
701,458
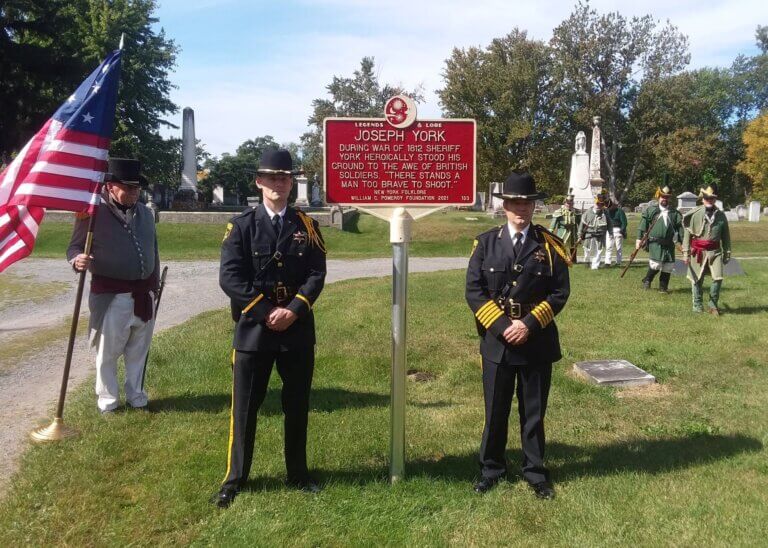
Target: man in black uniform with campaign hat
273,270
517,282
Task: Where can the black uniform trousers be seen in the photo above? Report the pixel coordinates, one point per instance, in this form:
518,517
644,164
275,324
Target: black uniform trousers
533,384
250,376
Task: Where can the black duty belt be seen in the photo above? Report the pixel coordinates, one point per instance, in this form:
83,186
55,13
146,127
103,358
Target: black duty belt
515,310
283,294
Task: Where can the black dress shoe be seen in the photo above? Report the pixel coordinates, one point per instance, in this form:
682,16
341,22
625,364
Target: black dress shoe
224,498
307,485
543,490
485,485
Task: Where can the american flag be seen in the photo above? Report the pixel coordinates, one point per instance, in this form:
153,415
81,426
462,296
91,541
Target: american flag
62,166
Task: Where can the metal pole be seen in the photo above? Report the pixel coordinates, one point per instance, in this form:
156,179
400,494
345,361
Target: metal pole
400,235
57,430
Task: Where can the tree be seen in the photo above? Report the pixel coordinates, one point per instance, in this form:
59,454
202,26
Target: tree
237,172
503,87
600,63
755,163
48,46
361,95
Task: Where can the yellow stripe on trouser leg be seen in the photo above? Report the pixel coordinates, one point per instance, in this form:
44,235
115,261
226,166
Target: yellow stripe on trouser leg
231,422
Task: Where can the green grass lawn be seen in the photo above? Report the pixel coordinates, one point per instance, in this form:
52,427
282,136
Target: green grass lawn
681,463
446,234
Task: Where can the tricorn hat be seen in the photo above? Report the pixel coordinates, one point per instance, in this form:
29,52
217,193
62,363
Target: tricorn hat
277,161
709,192
665,192
519,186
601,199
126,171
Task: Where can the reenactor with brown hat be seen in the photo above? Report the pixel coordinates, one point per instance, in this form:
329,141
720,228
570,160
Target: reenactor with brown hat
662,224
706,248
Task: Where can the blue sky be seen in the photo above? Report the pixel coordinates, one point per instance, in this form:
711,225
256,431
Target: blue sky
253,68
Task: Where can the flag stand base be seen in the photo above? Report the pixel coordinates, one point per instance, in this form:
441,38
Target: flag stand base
55,431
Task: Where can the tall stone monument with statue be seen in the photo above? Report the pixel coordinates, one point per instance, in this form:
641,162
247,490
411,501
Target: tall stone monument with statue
585,181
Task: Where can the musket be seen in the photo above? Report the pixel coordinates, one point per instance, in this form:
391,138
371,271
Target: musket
157,306
642,245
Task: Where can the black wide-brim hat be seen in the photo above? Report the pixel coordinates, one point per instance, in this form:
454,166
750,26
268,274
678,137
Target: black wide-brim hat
277,161
519,186
126,171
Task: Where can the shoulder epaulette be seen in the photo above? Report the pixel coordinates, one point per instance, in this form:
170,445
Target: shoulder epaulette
247,211
554,242
313,235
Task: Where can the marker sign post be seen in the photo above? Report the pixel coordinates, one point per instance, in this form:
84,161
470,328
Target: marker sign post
399,169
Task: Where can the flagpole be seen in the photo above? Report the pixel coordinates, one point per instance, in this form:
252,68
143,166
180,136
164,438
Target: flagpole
57,430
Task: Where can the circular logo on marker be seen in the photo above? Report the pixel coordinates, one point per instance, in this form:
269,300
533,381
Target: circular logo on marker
400,111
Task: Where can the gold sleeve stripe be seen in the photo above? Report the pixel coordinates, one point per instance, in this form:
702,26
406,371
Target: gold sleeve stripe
489,321
487,306
303,298
541,309
537,315
549,309
253,303
485,316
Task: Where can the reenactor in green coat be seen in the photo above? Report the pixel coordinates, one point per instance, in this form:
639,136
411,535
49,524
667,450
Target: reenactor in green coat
706,248
666,229
565,225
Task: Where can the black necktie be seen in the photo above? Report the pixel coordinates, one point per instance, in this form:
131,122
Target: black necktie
518,244
277,224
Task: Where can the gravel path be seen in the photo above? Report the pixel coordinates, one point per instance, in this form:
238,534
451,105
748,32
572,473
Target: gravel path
28,392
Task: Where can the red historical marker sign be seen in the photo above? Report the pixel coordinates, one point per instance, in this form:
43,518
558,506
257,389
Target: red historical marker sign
371,162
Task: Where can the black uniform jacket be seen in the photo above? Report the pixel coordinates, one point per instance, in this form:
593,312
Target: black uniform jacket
538,279
254,268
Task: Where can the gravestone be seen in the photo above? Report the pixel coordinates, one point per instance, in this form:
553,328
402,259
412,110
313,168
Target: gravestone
686,202
479,201
754,211
595,179
218,195
617,373
497,204
732,216
301,192
741,211
719,204
316,200
578,180
253,201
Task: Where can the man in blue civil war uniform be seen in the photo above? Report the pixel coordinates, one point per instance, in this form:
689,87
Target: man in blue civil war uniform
517,282
273,270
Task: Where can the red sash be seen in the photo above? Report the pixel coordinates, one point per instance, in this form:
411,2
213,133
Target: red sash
139,290
699,246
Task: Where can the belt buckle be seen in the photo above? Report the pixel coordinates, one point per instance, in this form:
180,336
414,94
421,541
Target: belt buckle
515,310
281,293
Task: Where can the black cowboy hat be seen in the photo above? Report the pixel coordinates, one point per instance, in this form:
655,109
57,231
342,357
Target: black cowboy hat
519,186
126,171
277,160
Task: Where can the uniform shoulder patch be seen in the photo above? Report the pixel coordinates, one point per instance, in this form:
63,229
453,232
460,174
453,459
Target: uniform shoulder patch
227,231
474,246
